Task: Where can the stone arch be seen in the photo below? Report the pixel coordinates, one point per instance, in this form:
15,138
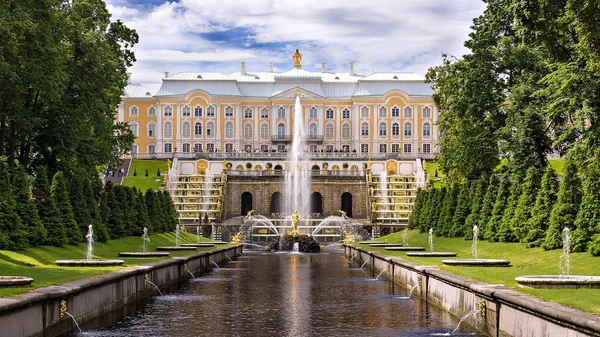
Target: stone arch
315,169
347,203
278,169
246,203
316,203
276,203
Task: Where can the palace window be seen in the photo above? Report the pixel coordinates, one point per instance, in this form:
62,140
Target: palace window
151,130
198,111
248,148
345,114
426,112
264,113
364,112
248,113
186,148
383,112
229,129
426,148
228,147
364,129
329,114
210,129
345,148
346,131
407,148
328,148
152,111
229,111
198,129
168,129
210,147
329,131
383,129
248,131
264,148
408,129
185,129
264,131
134,128
168,147
210,111
364,148
407,112
133,111
197,147
151,148
312,129
395,148
426,129
280,130
186,112
312,113
168,111
395,129
395,112
382,148
281,112
134,149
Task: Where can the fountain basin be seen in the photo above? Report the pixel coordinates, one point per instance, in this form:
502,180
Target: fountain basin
88,263
558,281
386,245
197,245
176,248
431,254
140,254
370,242
477,262
13,281
217,242
405,248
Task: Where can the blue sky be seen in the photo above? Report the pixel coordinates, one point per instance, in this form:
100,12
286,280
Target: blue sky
216,35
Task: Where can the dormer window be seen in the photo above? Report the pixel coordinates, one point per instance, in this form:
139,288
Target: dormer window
395,77
199,77
148,93
337,78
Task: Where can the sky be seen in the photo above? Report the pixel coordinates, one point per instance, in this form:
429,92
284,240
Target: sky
216,35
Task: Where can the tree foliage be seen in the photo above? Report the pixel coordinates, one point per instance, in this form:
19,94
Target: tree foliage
540,213
25,206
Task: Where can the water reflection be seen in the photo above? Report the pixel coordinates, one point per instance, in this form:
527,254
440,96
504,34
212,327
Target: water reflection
285,295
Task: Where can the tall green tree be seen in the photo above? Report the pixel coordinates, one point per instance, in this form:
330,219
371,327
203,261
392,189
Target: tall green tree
142,220
60,195
477,201
25,206
587,222
448,207
12,233
564,212
487,206
540,213
463,207
116,217
154,212
81,210
413,219
506,232
171,214
100,230
492,229
49,214
526,202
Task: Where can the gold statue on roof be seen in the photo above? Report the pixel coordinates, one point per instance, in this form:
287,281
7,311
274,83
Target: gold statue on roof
297,57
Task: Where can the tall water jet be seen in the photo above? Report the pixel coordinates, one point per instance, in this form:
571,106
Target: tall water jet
475,238
297,178
430,240
565,258
90,240
145,239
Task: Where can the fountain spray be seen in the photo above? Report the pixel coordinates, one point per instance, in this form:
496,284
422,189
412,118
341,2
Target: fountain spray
90,239
475,238
145,238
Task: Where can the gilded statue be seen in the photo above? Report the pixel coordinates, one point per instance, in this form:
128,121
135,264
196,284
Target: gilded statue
248,216
237,238
343,215
295,219
297,57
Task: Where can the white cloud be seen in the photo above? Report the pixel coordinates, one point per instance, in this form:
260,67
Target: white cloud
381,35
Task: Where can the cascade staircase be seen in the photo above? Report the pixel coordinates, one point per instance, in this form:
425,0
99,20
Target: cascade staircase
392,198
116,178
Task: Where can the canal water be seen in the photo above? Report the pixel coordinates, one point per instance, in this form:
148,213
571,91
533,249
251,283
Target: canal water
285,294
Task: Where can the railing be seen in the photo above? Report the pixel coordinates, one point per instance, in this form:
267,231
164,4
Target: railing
284,155
281,138
314,173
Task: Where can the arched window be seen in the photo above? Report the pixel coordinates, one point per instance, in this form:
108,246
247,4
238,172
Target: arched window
364,129
229,129
186,111
185,129
152,111
229,111
198,129
134,128
426,129
395,129
210,111
168,132
407,112
382,112
312,129
426,112
264,131
198,111
408,129
346,131
168,111
280,130
248,131
395,112
364,112
151,130
382,129
133,111
329,131
210,129
281,112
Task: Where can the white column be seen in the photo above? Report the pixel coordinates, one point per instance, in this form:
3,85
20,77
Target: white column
356,122
177,129
338,127
321,119
218,117
256,132
159,128
273,120
121,115
238,126
375,120
416,129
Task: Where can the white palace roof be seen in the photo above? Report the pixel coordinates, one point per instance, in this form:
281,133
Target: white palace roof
269,84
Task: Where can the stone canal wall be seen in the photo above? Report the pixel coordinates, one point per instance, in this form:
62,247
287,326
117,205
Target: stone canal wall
501,311
43,312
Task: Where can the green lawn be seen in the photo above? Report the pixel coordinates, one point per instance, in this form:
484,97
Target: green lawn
431,166
558,165
152,181
524,261
38,262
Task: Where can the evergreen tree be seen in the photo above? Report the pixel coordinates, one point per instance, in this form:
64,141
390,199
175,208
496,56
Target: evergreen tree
526,202
587,222
505,231
565,210
12,233
154,212
171,215
447,211
142,219
57,235
100,230
435,208
463,206
425,212
413,219
60,195
540,214
492,228
25,207
116,220
81,210
487,206
477,201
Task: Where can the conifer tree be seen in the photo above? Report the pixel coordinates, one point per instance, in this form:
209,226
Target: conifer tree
567,204
476,205
447,211
487,206
115,221
60,194
142,219
47,210
413,219
540,213
79,204
154,212
170,212
492,228
463,206
505,231
435,207
526,202
25,207
587,222
100,230
12,233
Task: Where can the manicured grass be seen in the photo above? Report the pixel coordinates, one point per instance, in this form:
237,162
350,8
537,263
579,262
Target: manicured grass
558,165
431,166
141,181
38,262
524,261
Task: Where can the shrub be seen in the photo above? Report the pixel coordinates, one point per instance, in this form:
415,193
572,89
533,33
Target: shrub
158,171
134,172
146,174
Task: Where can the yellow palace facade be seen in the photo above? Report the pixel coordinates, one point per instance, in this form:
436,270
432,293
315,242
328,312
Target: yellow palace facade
197,112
